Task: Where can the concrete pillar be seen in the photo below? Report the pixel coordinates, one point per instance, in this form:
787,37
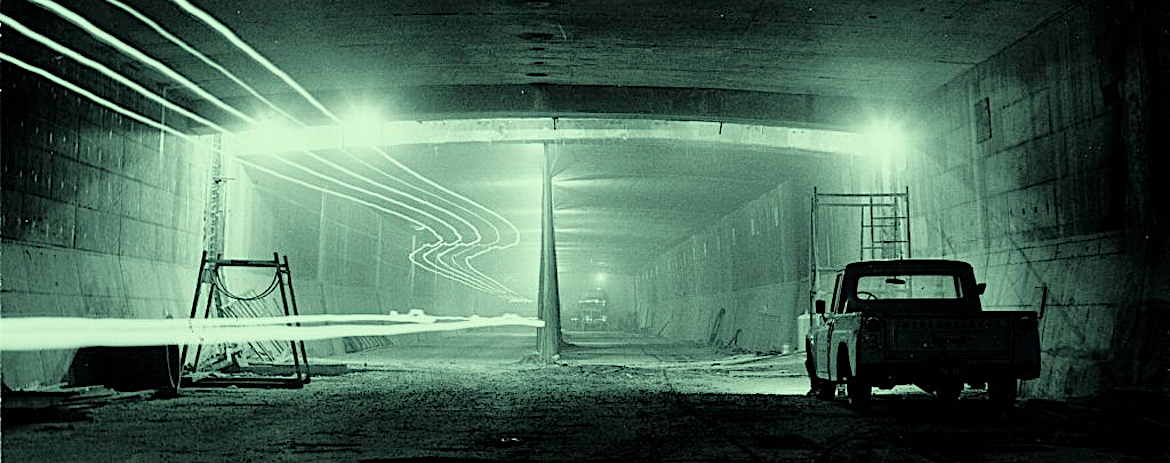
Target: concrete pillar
548,300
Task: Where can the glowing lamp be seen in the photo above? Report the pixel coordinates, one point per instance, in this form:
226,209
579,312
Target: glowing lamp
886,138
362,127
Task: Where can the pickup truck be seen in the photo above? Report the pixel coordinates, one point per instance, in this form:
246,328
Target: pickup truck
917,322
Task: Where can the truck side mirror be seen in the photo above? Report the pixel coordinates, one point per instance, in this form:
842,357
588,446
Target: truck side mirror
980,288
820,307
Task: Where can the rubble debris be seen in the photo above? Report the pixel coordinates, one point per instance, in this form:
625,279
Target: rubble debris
61,404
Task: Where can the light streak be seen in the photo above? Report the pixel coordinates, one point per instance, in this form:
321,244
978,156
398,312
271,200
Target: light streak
459,240
192,51
4,19
20,28
97,99
313,172
196,53
453,271
436,196
428,265
515,231
234,39
430,248
155,64
228,34
117,43
252,53
152,123
43,333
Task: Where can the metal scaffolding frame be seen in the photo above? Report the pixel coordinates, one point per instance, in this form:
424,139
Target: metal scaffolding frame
884,229
282,280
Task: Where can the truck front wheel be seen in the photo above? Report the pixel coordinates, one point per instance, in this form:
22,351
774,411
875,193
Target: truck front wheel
821,388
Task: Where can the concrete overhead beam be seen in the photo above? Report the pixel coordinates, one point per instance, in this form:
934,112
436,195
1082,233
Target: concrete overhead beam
477,101
542,130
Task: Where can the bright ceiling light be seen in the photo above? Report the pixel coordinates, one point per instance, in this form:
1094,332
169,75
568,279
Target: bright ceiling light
362,126
600,278
886,138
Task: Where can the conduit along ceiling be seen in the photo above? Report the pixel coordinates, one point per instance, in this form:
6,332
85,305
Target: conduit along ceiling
619,201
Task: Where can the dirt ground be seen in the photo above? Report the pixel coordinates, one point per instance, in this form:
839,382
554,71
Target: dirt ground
612,397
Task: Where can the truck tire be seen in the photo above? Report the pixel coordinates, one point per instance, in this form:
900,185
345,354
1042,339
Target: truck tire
822,389
856,389
948,390
1001,392
859,392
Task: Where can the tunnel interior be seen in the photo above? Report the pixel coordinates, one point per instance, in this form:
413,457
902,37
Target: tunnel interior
401,168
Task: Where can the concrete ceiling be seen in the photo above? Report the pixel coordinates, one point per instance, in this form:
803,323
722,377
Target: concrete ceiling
869,48
812,62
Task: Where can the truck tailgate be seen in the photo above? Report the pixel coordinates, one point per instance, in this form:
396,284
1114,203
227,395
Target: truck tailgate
982,336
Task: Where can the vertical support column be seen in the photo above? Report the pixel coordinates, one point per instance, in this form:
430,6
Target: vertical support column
548,301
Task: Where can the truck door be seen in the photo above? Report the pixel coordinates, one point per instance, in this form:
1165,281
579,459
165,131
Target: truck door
824,334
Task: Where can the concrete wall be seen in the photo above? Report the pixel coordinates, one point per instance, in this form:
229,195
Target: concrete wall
101,215
751,266
1043,167
1051,190
345,257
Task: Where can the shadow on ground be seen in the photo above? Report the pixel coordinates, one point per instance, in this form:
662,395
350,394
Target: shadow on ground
612,397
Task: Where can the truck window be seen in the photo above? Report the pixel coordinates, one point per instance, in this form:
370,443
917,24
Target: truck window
871,287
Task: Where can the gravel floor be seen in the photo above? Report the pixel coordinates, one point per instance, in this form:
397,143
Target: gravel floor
612,397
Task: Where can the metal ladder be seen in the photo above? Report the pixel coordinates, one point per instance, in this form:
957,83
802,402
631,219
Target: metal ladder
888,223
884,229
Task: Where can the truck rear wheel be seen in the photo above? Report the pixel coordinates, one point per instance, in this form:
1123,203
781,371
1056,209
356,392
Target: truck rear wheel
856,389
859,392
1002,392
948,390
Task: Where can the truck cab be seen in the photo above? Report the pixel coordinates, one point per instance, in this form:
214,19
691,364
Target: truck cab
917,322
